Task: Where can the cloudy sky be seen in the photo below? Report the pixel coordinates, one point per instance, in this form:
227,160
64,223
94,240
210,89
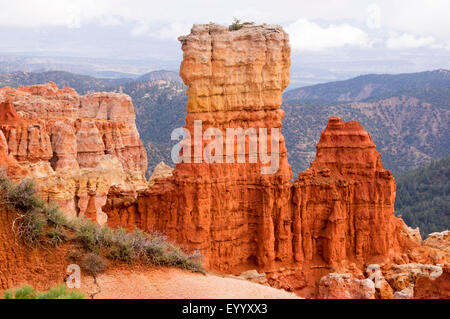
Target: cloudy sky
329,38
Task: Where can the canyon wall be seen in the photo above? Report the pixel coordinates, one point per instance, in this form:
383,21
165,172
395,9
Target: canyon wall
231,195
336,216
71,145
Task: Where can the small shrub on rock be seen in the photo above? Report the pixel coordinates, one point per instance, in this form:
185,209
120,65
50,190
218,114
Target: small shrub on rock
236,25
74,255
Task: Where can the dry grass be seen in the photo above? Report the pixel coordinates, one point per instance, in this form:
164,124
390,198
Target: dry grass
40,224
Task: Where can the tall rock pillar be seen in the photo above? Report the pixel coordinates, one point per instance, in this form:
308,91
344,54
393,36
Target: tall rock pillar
228,199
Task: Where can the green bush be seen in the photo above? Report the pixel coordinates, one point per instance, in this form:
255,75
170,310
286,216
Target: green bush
423,197
236,25
28,292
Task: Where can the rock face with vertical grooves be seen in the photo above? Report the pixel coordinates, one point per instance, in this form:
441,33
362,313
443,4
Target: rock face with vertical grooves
70,144
337,216
227,209
344,203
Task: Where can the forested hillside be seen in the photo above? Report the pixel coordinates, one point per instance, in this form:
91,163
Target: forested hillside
366,86
423,197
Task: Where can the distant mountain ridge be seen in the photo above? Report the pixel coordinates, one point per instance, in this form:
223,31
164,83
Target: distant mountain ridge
160,75
370,85
82,83
406,114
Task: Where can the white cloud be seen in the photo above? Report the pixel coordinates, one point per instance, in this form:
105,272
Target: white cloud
373,20
408,41
172,31
419,17
309,36
23,13
140,30
401,23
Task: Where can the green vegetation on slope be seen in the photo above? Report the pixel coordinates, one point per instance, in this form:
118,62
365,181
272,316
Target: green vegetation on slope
40,224
407,116
423,197
28,292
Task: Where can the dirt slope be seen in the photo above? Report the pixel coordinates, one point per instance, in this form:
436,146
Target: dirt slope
162,283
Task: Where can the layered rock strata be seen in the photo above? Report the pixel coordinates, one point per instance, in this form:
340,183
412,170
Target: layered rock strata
226,210
70,144
337,216
344,203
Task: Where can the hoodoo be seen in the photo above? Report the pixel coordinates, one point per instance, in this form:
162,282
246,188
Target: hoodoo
230,211
338,216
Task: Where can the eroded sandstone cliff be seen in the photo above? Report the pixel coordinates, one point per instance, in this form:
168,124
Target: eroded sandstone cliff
227,209
316,235
70,144
338,216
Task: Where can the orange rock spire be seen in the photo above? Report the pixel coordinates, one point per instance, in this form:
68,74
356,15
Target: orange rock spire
230,211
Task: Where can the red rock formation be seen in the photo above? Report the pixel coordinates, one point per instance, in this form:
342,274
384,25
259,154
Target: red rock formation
343,286
81,128
66,142
226,209
429,288
344,202
338,216
121,209
20,264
